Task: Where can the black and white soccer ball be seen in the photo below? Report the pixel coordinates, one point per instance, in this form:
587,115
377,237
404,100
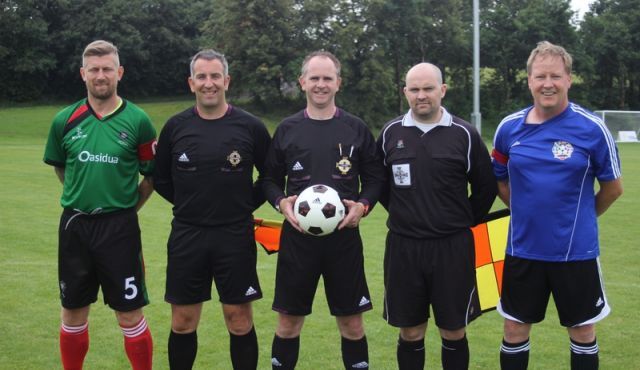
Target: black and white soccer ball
319,210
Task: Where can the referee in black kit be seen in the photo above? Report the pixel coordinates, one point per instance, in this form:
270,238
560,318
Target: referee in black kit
431,157
204,167
322,144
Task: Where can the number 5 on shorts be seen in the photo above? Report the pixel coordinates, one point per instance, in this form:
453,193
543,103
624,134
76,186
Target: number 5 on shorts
128,285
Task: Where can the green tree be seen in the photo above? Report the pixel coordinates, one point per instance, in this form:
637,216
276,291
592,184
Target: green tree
510,29
256,38
155,39
367,89
24,56
610,34
412,31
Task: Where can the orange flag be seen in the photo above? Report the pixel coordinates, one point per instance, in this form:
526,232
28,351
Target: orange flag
267,234
490,239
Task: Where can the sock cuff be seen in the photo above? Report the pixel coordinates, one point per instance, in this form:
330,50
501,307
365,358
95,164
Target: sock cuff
287,340
250,333
411,345
514,348
347,340
178,336
68,329
454,344
584,348
137,330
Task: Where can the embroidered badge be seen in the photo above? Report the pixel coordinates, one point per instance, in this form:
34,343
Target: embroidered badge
344,165
79,134
234,158
122,138
562,150
401,174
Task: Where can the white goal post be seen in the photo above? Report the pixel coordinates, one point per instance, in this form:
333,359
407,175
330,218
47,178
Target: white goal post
623,124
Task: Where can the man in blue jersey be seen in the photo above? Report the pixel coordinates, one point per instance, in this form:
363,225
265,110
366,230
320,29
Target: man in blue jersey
98,146
546,159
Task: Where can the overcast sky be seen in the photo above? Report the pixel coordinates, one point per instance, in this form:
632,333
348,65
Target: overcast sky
581,6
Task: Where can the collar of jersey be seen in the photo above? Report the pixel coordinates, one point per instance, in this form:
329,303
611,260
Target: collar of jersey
113,112
445,120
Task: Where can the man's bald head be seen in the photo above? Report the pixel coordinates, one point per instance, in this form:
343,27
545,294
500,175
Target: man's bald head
424,68
424,91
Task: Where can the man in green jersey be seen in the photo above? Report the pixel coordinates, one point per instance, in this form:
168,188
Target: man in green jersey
98,146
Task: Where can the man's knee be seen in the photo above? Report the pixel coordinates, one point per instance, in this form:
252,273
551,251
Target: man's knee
185,318
129,318
351,327
238,318
289,326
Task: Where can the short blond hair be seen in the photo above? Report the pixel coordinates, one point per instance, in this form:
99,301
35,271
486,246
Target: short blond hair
100,48
545,48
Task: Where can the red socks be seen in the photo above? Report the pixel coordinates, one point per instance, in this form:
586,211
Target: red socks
138,345
74,345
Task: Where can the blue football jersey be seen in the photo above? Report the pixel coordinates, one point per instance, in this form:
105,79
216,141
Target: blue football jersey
551,169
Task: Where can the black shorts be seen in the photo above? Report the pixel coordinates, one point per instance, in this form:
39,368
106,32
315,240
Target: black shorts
105,251
197,255
440,273
336,257
577,288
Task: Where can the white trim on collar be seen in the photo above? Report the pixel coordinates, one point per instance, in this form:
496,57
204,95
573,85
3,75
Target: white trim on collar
445,120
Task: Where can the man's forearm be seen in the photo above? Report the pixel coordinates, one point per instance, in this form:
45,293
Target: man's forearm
144,191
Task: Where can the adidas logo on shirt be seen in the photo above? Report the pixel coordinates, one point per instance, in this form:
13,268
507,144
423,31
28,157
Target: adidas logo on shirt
360,365
183,158
250,291
363,302
297,166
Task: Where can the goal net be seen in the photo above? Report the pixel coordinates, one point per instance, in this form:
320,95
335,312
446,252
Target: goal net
623,124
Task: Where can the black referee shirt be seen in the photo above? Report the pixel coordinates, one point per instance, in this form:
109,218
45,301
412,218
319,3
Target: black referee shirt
205,167
339,152
428,177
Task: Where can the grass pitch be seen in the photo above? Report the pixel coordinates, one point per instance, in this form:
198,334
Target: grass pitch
29,212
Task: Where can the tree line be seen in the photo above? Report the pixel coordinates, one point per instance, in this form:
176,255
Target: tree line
376,40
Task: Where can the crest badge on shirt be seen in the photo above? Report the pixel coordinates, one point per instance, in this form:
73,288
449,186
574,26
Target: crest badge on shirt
562,150
122,138
234,158
344,165
401,174
79,134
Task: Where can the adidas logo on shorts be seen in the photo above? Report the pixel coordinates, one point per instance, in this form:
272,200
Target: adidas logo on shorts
183,158
363,302
250,291
600,302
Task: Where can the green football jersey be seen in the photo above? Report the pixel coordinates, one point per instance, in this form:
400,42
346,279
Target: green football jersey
101,156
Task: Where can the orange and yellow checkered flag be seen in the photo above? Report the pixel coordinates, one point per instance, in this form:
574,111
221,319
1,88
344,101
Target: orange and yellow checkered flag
490,239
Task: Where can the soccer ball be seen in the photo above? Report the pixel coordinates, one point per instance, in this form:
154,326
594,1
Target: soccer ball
319,210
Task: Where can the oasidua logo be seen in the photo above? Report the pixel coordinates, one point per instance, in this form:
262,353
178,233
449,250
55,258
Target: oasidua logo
85,156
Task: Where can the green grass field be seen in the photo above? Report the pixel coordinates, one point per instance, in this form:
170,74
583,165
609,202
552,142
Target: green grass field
29,306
